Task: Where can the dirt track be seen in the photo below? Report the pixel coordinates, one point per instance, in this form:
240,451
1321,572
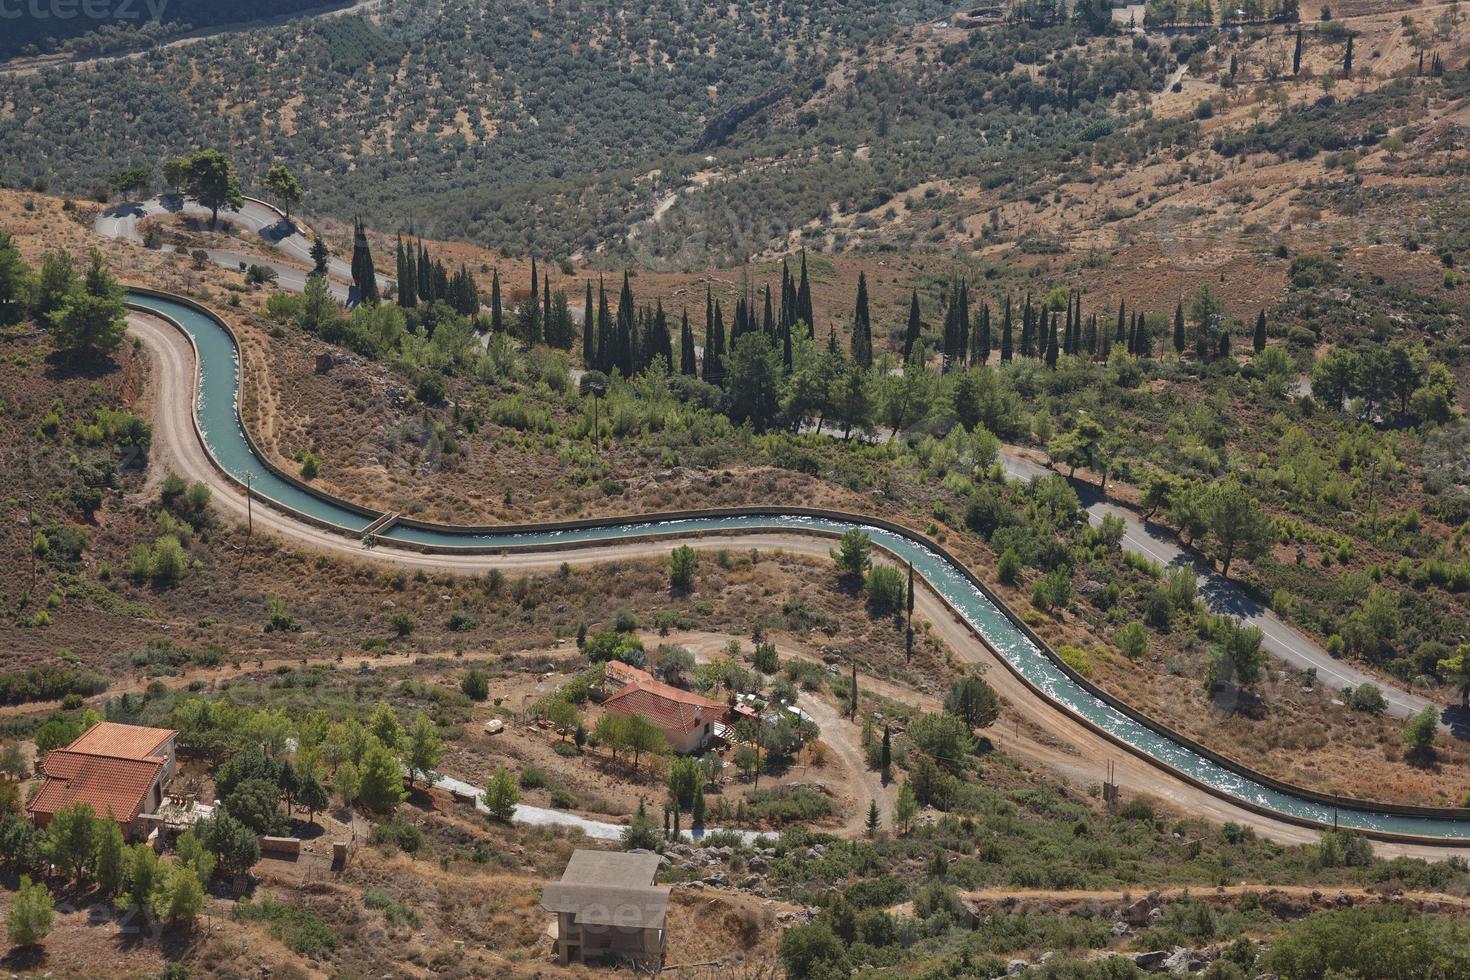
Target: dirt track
1071,749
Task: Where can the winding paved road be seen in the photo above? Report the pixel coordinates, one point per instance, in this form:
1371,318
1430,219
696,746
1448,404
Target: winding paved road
1070,747
1282,641
259,219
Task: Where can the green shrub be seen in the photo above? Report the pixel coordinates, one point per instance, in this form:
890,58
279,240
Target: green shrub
299,928
887,589
406,837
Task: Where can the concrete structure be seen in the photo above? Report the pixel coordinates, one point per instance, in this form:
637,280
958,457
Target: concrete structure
687,720
608,909
115,769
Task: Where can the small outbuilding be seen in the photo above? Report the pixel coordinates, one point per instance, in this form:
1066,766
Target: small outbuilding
607,908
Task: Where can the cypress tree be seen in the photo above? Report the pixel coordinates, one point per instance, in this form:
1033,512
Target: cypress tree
1028,333
364,276
426,274
982,336
535,285
911,335
788,298
408,283
1069,336
497,311
1179,328
1296,56
604,330
627,310
1259,341
687,358
1005,333
768,322
663,346
1347,58
1121,335
441,281
1133,333
715,344
589,331
548,328
398,269
1051,342
1143,340
862,327
964,322
804,301
1090,339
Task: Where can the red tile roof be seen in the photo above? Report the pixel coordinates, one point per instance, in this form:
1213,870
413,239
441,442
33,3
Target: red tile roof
104,783
121,741
670,708
620,673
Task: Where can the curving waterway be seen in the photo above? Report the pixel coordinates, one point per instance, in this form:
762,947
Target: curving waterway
224,435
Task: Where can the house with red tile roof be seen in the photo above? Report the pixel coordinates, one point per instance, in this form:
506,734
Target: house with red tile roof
116,769
617,675
688,720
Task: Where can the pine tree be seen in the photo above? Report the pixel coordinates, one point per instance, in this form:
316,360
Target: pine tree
874,820
687,360
1005,333
862,327
1259,341
911,336
1179,328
